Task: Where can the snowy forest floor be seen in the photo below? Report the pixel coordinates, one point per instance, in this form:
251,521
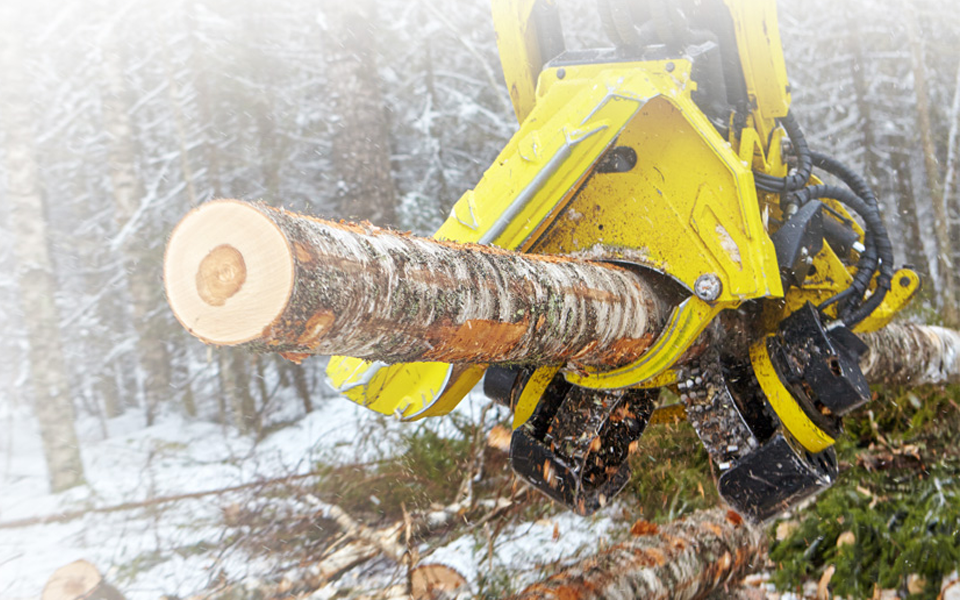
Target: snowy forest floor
197,545
273,516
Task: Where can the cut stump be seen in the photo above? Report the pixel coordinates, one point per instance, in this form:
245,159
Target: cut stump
79,580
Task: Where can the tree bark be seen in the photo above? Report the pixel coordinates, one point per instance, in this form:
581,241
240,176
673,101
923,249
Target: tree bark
235,386
361,145
862,95
907,354
907,207
272,281
52,403
941,226
950,198
684,559
154,358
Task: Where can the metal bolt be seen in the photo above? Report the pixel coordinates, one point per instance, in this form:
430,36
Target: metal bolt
669,67
708,287
561,73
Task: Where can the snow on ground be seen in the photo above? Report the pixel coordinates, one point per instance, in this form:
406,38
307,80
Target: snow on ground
136,463
522,549
173,548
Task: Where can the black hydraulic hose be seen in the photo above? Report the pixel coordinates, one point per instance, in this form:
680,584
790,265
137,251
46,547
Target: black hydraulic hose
885,248
869,258
799,178
877,233
847,175
860,187
877,256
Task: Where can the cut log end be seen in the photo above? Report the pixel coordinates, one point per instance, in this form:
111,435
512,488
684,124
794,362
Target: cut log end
228,272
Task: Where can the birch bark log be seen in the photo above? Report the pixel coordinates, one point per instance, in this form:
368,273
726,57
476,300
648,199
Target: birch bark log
271,281
906,354
684,559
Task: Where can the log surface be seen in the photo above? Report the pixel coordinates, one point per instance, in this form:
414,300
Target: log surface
357,290
684,559
907,354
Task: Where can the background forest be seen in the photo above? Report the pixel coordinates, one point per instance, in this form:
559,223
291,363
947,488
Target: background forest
121,116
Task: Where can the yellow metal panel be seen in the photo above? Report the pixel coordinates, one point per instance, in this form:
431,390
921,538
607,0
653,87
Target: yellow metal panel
905,285
791,415
688,208
532,391
761,56
409,390
549,157
519,52
829,277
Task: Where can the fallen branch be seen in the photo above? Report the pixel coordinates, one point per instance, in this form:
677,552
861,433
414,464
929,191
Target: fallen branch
76,514
385,540
684,559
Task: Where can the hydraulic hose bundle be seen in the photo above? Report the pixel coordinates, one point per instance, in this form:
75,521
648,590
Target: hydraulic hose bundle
877,255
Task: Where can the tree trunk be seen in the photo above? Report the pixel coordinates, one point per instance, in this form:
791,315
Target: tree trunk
684,559
235,385
906,203
941,226
154,358
950,197
907,354
272,281
361,145
300,384
52,402
173,95
861,90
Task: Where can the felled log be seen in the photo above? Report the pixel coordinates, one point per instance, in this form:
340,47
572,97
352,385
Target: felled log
685,559
272,281
268,280
908,354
